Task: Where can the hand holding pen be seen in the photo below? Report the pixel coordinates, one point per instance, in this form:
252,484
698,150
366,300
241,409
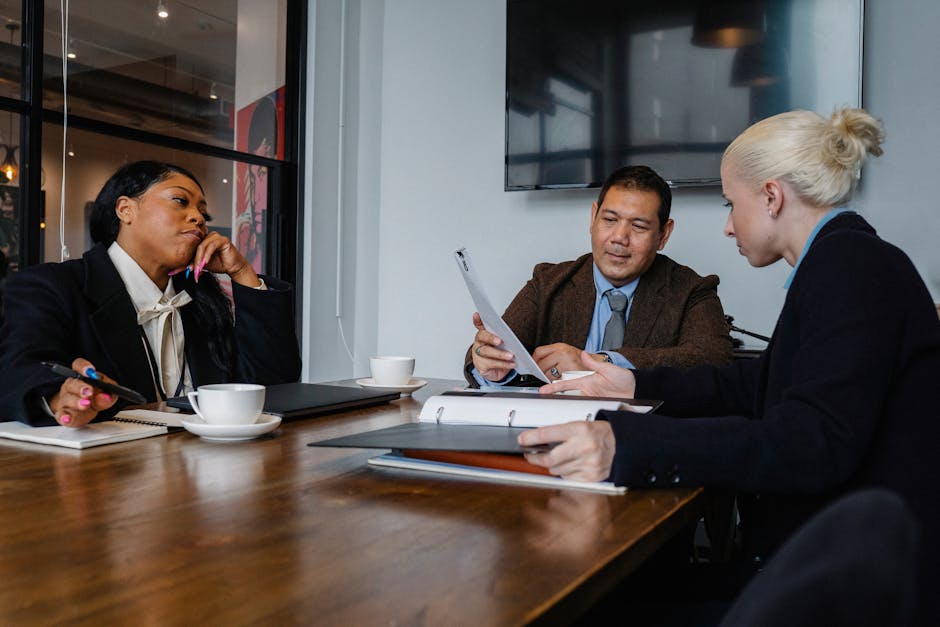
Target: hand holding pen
77,402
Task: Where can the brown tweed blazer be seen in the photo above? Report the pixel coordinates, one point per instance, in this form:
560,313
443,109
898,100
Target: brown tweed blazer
675,320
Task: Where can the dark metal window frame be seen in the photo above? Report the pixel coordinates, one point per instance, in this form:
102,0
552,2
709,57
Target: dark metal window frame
286,188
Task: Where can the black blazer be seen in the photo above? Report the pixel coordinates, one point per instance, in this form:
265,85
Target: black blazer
80,308
847,394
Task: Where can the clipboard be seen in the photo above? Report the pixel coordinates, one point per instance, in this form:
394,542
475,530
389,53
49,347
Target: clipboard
492,321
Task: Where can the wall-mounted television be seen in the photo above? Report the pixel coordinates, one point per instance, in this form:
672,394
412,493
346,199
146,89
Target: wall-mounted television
592,85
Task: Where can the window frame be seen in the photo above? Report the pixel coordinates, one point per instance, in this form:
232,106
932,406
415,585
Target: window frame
285,189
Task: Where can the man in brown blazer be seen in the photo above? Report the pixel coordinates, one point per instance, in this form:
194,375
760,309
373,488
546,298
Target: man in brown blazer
623,302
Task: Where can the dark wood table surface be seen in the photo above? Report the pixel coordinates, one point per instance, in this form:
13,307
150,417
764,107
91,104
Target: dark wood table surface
177,530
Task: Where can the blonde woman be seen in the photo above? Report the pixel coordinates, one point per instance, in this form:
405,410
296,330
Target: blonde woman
846,393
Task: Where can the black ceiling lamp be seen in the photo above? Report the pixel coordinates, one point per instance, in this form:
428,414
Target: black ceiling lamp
758,65
9,167
728,24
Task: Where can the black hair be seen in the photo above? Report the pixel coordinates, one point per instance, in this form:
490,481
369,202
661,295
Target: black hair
263,126
644,179
131,180
212,306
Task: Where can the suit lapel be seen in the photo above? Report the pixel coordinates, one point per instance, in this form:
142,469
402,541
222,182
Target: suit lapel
581,306
115,323
648,301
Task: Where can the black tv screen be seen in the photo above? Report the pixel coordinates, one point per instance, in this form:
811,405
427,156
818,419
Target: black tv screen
592,85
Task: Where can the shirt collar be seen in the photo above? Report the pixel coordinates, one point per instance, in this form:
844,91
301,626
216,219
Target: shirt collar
832,213
601,284
143,291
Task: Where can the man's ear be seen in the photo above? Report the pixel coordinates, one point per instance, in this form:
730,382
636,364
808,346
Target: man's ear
667,231
594,210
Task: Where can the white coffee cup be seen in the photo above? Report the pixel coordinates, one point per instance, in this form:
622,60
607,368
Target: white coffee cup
228,403
391,370
575,374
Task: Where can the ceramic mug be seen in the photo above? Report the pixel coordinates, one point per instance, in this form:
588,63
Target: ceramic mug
228,403
392,370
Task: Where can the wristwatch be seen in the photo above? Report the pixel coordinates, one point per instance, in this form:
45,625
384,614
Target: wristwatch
606,357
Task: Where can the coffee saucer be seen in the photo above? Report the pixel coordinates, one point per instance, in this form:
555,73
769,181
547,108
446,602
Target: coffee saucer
231,433
406,389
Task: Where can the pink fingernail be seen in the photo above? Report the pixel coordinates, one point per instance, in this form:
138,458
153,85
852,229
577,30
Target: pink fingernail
84,403
65,419
174,272
106,396
86,391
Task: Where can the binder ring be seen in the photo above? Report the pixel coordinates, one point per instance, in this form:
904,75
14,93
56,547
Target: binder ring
440,412
512,414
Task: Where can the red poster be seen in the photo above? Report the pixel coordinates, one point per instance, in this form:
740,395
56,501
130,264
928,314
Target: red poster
260,131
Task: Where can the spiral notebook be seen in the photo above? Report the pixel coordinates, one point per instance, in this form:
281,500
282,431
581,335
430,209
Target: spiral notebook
130,424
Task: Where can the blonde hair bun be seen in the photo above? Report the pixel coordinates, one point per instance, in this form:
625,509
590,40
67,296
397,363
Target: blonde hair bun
820,158
852,135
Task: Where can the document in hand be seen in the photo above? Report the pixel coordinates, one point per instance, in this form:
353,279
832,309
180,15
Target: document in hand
525,364
476,435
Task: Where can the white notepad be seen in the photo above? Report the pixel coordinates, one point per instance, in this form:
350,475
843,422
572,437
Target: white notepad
94,434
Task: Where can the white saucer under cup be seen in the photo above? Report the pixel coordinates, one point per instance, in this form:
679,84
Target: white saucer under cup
231,433
406,389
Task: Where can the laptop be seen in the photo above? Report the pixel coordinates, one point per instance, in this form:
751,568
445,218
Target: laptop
303,400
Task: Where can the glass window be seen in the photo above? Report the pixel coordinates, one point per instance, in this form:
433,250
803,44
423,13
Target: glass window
11,52
185,69
12,211
92,158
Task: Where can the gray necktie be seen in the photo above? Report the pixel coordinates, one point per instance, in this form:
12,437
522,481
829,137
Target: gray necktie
613,332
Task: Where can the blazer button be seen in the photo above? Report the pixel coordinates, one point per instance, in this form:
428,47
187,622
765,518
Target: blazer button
651,477
674,477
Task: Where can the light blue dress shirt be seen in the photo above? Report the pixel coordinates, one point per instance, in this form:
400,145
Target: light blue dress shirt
598,324
812,236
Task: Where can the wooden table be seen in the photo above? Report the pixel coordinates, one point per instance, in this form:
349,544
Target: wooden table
178,530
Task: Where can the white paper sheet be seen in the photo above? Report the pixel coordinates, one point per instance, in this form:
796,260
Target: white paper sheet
492,320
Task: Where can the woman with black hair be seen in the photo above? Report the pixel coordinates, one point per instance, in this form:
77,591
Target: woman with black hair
142,306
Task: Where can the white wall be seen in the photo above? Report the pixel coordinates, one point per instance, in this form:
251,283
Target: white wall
902,87
423,176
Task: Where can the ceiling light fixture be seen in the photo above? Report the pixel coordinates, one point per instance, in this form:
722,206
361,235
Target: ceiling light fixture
70,52
9,167
728,24
162,13
212,94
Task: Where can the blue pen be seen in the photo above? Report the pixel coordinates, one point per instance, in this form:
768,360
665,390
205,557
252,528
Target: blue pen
94,379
